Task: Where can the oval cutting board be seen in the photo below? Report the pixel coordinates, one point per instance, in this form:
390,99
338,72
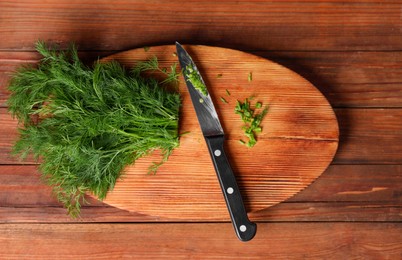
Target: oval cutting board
298,141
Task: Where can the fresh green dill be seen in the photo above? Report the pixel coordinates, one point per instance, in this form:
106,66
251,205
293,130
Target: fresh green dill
251,120
250,76
87,124
224,100
195,79
152,65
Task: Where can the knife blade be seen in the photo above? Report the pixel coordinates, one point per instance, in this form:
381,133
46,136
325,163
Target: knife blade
214,137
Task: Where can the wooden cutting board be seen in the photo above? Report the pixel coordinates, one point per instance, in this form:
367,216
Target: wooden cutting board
299,139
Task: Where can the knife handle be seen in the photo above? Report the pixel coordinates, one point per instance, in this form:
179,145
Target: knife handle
245,229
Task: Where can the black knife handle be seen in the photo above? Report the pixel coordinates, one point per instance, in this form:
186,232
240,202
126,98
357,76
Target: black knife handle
245,229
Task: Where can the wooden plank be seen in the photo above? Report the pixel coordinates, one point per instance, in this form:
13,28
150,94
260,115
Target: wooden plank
360,211
269,25
347,79
58,214
200,241
355,183
367,136
8,136
342,193
284,212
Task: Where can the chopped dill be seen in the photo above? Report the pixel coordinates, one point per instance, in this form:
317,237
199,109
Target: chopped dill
251,120
195,79
250,76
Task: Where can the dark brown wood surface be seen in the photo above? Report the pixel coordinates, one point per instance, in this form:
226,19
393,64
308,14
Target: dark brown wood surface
351,51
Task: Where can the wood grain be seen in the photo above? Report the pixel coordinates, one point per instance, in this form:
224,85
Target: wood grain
200,241
356,183
251,25
359,211
374,146
349,79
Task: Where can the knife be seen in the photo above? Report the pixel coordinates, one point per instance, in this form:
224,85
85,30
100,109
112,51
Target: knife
214,136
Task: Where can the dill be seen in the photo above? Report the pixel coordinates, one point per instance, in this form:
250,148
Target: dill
87,124
195,79
250,76
251,120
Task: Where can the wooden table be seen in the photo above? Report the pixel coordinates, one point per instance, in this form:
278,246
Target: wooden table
350,51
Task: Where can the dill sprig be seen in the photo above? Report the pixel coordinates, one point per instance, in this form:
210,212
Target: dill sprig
152,65
87,124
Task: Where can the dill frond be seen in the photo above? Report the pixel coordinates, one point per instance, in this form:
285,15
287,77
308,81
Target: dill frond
91,121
